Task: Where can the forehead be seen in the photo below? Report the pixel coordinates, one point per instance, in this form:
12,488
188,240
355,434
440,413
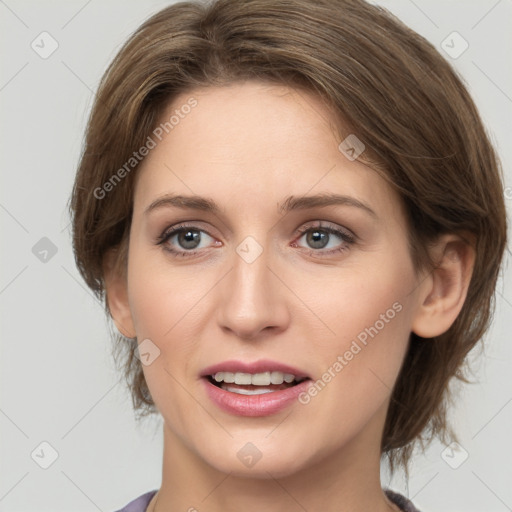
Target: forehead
251,144
251,120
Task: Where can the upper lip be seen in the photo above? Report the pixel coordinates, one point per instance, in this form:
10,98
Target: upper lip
261,366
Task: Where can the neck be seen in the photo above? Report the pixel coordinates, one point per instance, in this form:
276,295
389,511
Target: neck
341,481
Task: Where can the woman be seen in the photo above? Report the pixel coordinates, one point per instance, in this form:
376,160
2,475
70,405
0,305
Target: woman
296,221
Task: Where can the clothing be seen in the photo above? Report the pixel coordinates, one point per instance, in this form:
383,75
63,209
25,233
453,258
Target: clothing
141,503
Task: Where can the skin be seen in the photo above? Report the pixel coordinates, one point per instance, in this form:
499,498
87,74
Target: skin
248,146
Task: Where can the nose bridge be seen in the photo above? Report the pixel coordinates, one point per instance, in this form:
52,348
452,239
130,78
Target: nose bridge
252,298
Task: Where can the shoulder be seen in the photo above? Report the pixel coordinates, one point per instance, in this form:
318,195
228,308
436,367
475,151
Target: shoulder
401,501
139,504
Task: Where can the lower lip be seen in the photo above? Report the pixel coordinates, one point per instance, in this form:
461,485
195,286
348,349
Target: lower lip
254,405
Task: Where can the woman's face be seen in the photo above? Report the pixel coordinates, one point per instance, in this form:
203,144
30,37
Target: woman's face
271,277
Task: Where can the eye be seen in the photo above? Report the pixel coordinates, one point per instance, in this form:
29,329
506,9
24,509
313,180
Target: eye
326,240
322,240
184,240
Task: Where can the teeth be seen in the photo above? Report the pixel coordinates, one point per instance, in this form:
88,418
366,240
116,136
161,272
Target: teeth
243,378
260,379
277,377
256,379
227,377
242,391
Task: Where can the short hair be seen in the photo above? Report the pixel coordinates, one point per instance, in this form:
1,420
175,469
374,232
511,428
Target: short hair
384,83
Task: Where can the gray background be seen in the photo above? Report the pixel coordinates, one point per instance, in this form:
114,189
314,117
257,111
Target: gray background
58,381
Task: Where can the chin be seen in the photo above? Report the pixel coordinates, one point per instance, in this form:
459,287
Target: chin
259,459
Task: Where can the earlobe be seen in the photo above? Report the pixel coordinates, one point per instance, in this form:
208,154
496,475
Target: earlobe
116,289
444,290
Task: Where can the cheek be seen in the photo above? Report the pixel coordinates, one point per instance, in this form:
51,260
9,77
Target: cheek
353,299
162,296
357,365
367,315
165,303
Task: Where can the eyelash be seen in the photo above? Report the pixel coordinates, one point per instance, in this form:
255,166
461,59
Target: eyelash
346,236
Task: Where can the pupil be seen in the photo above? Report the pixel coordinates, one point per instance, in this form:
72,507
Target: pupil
317,239
189,239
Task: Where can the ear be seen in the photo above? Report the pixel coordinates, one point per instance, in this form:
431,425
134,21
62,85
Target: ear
444,290
116,288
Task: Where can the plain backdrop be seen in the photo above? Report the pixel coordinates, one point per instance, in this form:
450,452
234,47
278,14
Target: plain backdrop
59,385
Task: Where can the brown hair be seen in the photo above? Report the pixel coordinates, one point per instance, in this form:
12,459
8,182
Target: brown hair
386,84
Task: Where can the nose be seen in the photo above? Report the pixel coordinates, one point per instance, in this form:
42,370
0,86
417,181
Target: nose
253,298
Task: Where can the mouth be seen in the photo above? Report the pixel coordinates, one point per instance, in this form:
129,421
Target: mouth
254,383
259,388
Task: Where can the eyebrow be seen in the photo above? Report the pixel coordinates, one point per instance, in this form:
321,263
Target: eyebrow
291,203
322,200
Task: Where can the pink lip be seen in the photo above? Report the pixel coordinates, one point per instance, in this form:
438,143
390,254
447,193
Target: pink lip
254,405
261,366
